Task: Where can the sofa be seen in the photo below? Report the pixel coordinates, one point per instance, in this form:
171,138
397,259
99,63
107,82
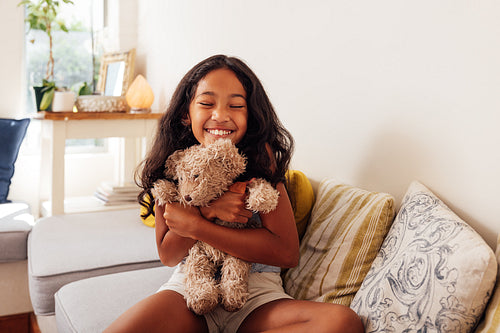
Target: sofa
418,268
15,217
16,222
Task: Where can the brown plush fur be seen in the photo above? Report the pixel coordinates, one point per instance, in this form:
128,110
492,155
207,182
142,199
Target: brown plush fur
202,175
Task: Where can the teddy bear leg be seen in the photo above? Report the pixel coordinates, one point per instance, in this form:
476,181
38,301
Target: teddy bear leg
202,292
234,283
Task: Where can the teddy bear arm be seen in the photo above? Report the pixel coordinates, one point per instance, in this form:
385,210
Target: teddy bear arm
262,196
164,191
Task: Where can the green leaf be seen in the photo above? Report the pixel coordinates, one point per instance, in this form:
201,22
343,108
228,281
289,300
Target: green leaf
84,89
48,85
22,3
47,98
62,26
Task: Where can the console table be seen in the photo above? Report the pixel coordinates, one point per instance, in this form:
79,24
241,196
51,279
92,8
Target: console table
59,126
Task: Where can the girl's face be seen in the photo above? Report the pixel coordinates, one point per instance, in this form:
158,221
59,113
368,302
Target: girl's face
219,108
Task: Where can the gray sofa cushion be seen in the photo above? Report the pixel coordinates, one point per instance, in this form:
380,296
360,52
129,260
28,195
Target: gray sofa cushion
90,305
16,222
66,248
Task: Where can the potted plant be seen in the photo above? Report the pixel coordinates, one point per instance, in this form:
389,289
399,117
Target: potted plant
42,15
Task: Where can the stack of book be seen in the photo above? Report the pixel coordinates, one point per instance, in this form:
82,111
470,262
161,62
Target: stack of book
112,195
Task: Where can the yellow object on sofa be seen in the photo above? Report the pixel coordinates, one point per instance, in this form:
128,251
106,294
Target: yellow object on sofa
301,196
150,220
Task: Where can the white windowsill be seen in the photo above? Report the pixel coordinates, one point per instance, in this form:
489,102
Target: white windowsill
84,205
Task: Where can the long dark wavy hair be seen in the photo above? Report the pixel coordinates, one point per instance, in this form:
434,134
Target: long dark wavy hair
263,128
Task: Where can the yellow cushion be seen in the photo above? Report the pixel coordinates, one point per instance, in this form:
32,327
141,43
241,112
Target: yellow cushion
301,196
347,228
150,220
491,320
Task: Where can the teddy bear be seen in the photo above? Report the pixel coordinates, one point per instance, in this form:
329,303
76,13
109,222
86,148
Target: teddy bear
195,176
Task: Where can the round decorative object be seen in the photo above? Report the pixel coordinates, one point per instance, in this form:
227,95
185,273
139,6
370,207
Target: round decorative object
140,96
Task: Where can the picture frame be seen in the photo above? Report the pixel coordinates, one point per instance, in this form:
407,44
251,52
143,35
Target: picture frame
116,73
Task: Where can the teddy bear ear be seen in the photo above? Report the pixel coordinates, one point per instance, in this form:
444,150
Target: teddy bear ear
171,163
224,154
217,149
224,144
237,162
234,161
220,146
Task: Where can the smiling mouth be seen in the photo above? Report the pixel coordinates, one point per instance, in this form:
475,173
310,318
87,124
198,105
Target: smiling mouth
219,131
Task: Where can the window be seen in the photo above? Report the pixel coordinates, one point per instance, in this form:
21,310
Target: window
76,57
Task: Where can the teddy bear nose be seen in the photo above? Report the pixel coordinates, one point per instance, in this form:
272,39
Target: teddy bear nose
187,198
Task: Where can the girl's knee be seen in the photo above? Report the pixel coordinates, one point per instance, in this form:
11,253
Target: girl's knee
340,318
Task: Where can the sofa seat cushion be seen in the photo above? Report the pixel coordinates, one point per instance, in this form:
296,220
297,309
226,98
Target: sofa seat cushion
16,222
66,248
92,304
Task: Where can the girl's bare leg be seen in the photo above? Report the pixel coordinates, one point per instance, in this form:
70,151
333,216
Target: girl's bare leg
287,315
165,311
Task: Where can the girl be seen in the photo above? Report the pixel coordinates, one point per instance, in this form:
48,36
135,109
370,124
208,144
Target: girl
222,98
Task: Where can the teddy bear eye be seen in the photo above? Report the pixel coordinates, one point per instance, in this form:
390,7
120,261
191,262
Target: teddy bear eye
196,176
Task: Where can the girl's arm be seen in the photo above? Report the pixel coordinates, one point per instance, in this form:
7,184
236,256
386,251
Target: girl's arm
172,248
276,243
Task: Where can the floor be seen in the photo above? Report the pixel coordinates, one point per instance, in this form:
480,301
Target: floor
47,324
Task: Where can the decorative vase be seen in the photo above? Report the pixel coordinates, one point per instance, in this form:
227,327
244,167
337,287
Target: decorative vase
38,94
63,101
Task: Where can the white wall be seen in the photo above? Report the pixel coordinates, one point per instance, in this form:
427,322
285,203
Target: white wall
121,30
376,93
11,61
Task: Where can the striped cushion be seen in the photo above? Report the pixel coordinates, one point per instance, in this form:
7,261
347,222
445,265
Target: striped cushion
491,322
347,228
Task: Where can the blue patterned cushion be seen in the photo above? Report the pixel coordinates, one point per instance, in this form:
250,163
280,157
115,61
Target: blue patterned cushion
433,273
11,135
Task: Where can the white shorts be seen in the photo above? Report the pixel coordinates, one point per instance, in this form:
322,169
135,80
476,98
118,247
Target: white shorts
263,288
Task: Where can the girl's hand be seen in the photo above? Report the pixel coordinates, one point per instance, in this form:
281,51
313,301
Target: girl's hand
230,206
181,219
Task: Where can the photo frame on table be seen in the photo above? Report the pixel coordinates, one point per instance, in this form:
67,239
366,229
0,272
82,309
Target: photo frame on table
116,73
115,76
